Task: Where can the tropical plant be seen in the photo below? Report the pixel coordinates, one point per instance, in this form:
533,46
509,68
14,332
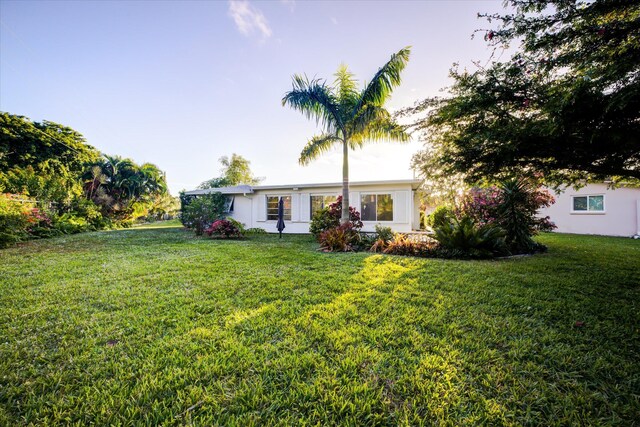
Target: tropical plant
469,239
401,244
350,117
225,229
202,211
339,239
329,218
384,233
439,216
516,214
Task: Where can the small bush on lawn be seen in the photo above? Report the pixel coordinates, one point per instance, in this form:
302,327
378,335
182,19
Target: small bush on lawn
255,230
339,239
329,218
224,229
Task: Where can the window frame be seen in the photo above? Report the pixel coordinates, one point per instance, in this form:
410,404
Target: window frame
588,211
324,205
390,194
266,206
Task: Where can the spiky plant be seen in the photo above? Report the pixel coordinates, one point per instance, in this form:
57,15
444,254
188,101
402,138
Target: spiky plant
349,116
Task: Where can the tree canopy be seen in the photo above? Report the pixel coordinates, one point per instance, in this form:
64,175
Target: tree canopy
235,170
566,104
350,117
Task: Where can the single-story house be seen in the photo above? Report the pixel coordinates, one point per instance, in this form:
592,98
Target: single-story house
597,209
393,204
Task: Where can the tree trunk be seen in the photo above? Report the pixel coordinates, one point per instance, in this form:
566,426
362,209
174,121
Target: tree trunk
345,182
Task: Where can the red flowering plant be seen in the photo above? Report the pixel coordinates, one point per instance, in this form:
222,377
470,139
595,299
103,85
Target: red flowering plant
224,229
329,218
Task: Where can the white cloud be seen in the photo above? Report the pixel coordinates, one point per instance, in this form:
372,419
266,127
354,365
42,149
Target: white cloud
334,20
248,19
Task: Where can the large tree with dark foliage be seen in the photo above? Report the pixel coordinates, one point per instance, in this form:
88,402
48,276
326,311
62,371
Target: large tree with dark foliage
566,104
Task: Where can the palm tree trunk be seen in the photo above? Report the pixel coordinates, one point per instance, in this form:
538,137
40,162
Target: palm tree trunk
345,182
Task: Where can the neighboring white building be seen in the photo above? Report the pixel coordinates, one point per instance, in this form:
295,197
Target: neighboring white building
390,203
597,209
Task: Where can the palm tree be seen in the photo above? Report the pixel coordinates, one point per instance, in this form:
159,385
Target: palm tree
349,117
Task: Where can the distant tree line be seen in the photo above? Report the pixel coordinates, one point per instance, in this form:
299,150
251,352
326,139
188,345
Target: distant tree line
49,169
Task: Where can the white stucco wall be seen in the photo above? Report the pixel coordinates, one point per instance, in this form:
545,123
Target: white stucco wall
621,216
251,208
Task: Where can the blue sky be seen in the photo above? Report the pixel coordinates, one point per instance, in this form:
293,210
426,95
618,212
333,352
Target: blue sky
180,84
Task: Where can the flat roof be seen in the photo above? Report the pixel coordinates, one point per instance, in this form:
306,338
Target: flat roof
247,189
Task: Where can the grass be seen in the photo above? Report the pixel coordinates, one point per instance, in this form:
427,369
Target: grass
153,326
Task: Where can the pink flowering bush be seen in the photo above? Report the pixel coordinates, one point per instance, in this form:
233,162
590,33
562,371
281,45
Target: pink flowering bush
512,205
224,229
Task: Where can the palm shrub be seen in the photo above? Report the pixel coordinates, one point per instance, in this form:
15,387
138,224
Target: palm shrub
464,237
516,214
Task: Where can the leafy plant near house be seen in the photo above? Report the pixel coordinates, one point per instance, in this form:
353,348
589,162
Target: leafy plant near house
466,238
202,211
516,214
339,239
401,244
439,216
225,229
329,218
255,230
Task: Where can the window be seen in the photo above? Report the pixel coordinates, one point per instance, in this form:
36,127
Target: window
272,207
228,204
319,202
588,203
377,207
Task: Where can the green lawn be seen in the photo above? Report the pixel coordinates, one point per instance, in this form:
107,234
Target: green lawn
153,326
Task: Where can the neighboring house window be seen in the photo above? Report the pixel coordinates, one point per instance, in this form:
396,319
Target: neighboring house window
319,202
228,204
377,207
272,207
588,203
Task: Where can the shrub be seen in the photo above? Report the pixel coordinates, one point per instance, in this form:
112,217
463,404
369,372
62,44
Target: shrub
329,218
202,211
237,224
512,206
224,229
403,245
464,237
516,214
14,220
69,223
339,239
439,216
384,233
255,230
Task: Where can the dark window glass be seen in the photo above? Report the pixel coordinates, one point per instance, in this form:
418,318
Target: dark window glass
272,207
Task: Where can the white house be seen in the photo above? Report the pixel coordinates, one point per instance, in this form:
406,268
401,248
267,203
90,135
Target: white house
597,209
389,203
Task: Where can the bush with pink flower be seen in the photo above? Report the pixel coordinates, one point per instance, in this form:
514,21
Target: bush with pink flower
224,229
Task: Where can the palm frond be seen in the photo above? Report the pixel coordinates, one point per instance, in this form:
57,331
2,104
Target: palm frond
314,99
383,129
387,78
317,145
